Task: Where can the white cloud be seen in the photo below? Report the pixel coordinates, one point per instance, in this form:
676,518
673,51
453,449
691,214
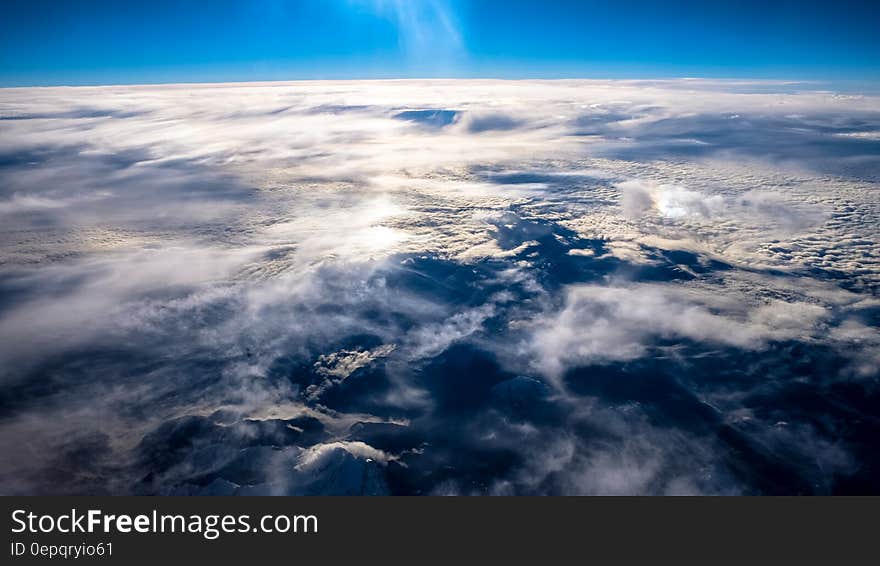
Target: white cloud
601,324
671,201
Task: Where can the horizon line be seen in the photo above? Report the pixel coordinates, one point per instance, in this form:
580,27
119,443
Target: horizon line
769,81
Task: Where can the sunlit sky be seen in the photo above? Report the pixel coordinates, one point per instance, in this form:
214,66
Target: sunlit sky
49,42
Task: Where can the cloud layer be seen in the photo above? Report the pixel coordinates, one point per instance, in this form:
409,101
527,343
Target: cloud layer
439,287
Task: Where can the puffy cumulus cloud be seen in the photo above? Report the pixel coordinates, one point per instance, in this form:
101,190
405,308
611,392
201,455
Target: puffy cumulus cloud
766,210
671,201
439,287
345,362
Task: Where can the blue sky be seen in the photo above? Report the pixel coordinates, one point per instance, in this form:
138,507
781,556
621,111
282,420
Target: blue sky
45,42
